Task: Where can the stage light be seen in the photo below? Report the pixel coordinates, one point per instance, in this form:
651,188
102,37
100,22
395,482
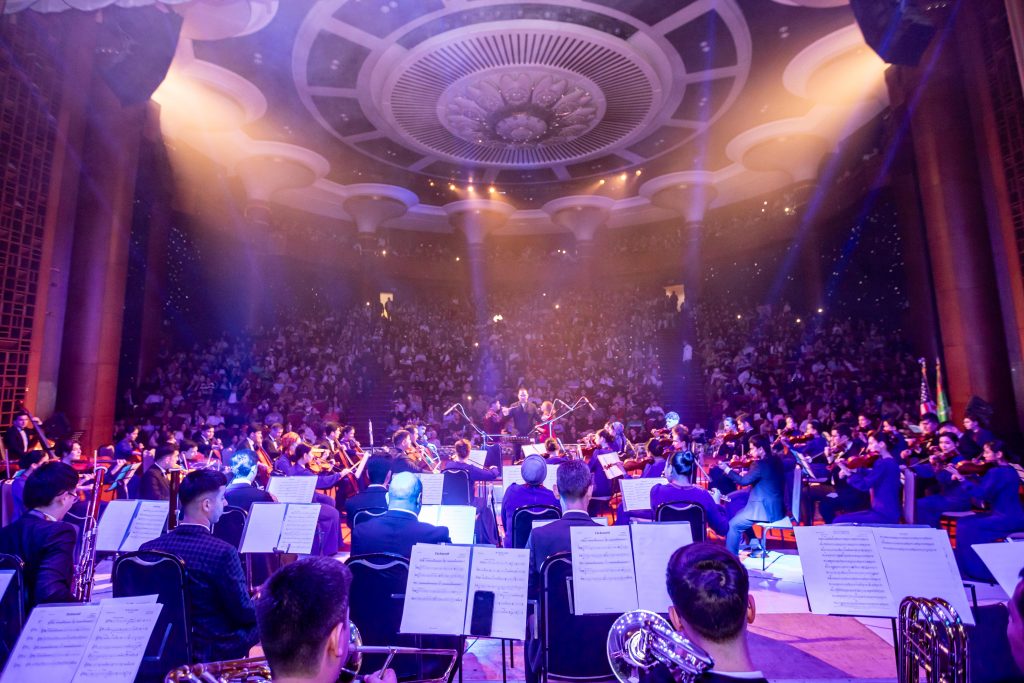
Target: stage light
431,183
367,303
623,177
821,310
458,258
798,321
601,181
738,316
384,252
557,307
638,172
491,190
470,188
476,344
451,186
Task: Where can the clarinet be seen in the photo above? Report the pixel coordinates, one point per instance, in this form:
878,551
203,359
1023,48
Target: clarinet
85,568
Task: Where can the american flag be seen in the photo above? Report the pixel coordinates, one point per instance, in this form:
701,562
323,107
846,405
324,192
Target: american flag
927,404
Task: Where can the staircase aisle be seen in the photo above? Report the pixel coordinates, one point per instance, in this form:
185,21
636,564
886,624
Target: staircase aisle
375,406
683,387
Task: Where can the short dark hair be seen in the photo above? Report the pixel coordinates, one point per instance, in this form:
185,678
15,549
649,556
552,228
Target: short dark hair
377,468
64,447
29,458
815,425
198,483
761,441
48,482
164,451
930,417
300,452
551,445
843,429
884,437
573,478
294,619
398,436
243,462
252,428
187,445
951,436
709,587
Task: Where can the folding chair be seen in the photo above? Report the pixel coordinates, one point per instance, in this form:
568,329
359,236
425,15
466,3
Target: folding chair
524,517
684,512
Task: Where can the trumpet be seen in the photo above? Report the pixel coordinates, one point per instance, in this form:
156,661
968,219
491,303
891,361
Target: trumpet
640,639
257,669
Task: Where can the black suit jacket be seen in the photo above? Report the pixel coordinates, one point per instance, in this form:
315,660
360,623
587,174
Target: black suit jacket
375,496
395,531
243,496
222,613
767,478
154,485
555,537
14,445
48,551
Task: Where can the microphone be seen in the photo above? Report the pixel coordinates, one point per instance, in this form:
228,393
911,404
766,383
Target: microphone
450,410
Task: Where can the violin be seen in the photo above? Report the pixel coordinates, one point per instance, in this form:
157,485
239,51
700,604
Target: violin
740,462
856,462
970,468
633,464
799,439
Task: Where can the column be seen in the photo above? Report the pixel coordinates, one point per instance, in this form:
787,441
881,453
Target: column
583,216
370,205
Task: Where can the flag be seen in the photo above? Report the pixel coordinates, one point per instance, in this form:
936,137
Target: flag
927,405
940,393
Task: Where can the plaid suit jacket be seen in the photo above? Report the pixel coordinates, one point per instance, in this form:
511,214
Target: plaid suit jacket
221,611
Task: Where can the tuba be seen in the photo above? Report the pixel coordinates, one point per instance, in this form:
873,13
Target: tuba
931,637
85,567
640,639
257,670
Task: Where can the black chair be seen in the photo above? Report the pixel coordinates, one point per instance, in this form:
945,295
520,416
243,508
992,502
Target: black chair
13,605
376,601
8,506
524,517
457,488
148,572
231,525
581,657
367,514
684,512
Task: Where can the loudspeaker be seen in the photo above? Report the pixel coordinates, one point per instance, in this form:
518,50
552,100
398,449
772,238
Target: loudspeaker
134,49
895,29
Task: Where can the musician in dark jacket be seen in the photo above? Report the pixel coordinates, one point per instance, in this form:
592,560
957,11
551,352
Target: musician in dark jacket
242,492
575,485
766,477
398,529
156,484
523,413
40,537
375,497
533,492
20,438
221,611
882,479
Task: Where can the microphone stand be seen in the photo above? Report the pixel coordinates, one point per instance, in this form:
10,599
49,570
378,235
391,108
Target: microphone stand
570,409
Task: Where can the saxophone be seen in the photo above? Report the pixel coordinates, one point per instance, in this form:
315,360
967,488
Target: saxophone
85,567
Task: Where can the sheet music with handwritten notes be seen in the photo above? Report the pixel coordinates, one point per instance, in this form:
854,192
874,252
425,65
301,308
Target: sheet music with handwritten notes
505,572
433,488
602,569
866,571
292,489
435,597
82,643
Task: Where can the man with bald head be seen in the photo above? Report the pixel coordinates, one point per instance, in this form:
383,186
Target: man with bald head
398,529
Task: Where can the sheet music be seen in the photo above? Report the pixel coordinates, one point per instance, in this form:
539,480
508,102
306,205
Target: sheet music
919,562
263,528
1004,560
298,531
653,546
636,493
612,465
512,474
361,465
433,488
533,449
478,458
51,645
118,642
506,572
6,576
150,521
292,489
435,596
843,572
460,520
113,526
602,570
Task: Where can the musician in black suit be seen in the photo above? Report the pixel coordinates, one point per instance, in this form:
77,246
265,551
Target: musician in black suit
242,492
711,606
523,413
156,484
398,529
304,637
765,504
19,439
272,444
378,470
402,447
40,537
574,486
222,614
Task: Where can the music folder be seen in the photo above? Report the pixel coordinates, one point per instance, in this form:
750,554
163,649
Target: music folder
467,590
636,493
460,520
433,488
127,524
866,571
292,489
280,528
617,569
513,474
83,643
